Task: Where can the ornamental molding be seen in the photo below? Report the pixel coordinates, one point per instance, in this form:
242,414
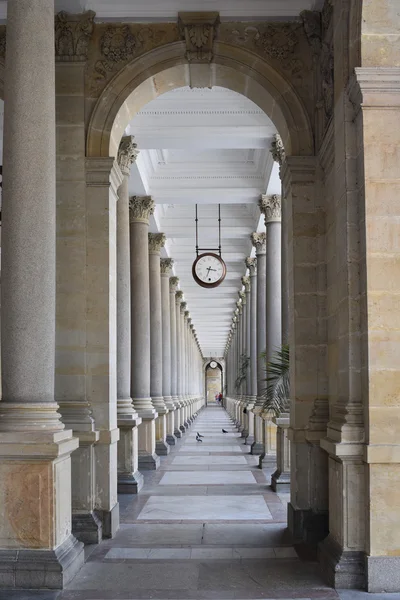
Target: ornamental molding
246,282
199,30
140,209
251,264
278,150
156,242
312,24
271,208
173,284
73,34
259,241
127,154
166,265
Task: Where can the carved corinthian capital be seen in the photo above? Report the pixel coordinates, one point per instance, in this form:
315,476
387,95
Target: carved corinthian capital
127,154
166,265
251,264
246,283
173,284
242,296
179,297
156,242
259,241
270,206
199,30
72,35
278,150
183,307
140,209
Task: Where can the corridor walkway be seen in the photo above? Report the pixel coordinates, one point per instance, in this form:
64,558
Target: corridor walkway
206,525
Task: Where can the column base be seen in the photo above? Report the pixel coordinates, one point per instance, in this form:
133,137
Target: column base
130,483
110,521
183,428
178,434
149,462
41,569
249,440
346,570
87,528
187,424
244,433
307,526
280,482
266,458
171,439
162,448
257,448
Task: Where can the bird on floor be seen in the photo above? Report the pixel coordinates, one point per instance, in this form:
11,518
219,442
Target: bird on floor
199,435
223,431
198,439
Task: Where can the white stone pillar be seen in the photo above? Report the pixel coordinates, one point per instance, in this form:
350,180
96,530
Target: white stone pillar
141,207
184,363
247,324
156,242
166,265
130,480
173,284
35,449
178,301
251,264
259,241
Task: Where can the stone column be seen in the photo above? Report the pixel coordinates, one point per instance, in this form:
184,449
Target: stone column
270,206
183,364
178,301
173,284
130,480
38,549
141,207
166,265
259,241
247,332
156,242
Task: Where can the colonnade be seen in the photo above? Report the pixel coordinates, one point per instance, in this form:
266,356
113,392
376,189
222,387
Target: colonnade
258,327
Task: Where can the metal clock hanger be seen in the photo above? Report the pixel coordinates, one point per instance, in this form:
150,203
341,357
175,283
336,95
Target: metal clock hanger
209,268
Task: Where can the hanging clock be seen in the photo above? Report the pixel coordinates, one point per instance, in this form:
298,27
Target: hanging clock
209,270
213,364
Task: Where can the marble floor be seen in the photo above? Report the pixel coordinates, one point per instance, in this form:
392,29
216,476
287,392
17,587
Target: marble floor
205,526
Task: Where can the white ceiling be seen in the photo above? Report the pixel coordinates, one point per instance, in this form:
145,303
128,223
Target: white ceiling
207,147
167,10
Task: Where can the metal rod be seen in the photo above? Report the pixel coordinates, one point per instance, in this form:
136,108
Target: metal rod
197,234
219,229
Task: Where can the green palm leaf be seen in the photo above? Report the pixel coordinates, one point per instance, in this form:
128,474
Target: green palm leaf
277,390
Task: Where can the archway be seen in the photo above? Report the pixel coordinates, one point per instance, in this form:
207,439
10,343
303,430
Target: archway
214,384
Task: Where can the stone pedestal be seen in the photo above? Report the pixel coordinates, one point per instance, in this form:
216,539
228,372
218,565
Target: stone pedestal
280,480
148,459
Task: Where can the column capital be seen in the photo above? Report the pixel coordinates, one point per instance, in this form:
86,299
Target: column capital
239,307
166,265
173,284
156,242
251,264
187,313
242,297
259,241
140,209
183,307
278,150
179,297
246,282
72,35
127,154
270,206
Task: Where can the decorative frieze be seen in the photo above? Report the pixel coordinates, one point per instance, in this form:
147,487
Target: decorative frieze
127,154
199,30
73,34
270,206
140,208
246,282
166,265
259,241
173,284
251,264
156,242
278,150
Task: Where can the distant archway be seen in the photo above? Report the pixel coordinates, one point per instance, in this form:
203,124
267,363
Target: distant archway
214,381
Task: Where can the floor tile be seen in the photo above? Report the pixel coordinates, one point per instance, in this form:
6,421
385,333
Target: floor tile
209,460
207,478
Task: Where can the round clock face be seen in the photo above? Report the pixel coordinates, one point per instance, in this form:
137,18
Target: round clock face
213,364
209,270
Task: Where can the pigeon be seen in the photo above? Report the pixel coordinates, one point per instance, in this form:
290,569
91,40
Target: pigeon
223,431
199,439
199,435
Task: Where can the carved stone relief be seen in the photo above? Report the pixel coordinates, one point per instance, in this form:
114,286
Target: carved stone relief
73,34
199,30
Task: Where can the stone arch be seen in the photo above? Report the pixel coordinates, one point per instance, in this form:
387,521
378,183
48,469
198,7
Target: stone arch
166,68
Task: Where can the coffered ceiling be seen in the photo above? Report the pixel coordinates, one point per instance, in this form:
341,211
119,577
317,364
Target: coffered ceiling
210,147
167,10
